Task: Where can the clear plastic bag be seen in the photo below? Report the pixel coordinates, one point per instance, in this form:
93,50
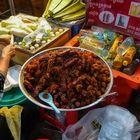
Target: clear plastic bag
118,123
108,123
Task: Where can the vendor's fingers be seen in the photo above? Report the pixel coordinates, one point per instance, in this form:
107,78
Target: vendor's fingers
13,50
11,45
12,53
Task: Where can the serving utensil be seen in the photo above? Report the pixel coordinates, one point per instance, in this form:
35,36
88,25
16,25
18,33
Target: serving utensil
49,101
110,94
60,116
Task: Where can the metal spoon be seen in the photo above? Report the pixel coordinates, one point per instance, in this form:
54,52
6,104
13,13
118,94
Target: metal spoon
110,94
49,101
107,95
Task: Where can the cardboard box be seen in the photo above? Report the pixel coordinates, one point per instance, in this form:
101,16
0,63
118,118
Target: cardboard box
22,55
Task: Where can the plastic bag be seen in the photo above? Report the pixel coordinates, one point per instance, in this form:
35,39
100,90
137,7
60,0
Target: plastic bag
108,123
12,77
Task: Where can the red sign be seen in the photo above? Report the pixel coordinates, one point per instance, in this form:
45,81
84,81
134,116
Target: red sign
120,15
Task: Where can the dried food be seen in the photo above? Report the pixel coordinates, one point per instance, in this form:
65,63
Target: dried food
75,78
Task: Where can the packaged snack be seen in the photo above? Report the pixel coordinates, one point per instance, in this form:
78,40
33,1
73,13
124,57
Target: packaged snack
105,35
121,50
98,40
112,52
128,57
128,42
90,43
118,61
130,69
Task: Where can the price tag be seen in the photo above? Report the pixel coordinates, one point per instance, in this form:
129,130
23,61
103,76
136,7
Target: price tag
95,124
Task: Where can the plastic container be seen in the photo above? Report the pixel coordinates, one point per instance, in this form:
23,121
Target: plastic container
123,84
13,97
12,94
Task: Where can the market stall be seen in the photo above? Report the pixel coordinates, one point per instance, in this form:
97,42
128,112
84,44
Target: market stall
74,59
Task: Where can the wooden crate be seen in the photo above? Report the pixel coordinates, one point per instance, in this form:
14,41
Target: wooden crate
22,55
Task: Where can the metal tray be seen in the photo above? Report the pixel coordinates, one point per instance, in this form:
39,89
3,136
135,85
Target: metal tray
32,99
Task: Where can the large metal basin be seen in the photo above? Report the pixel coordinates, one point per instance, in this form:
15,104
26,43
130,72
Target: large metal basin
21,79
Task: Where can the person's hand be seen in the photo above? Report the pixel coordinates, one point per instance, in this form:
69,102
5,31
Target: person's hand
8,51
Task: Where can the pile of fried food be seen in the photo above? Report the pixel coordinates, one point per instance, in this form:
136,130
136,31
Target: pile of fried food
75,78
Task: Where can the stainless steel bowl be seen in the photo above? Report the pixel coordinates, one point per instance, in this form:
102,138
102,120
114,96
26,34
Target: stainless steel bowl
21,79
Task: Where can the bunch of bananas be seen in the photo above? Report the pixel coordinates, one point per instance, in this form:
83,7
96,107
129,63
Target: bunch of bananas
65,10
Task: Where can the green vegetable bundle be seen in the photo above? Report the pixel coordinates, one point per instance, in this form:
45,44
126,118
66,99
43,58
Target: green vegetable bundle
65,10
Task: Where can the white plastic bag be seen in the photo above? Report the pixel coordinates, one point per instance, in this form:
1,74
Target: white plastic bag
95,124
12,77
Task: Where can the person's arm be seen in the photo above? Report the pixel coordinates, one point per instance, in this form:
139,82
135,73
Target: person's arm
2,80
7,53
4,63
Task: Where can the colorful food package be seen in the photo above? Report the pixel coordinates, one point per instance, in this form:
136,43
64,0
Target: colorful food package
128,57
112,52
130,69
91,43
97,40
120,15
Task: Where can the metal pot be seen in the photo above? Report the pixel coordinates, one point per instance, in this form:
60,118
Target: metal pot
21,79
